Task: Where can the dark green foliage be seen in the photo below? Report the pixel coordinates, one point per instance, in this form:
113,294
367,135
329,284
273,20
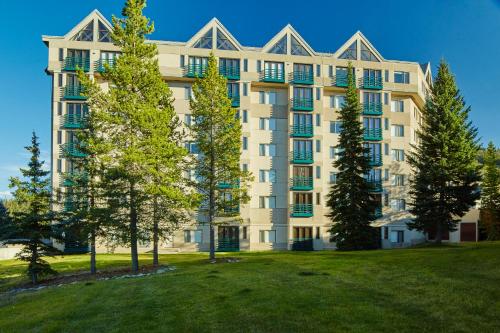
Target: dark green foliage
351,204
490,195
446,172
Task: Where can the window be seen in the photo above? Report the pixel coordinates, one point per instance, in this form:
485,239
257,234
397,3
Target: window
334,153
398,155
386,124
205,41
192,147
104,33
318,93
397,106
335,127
386,148
267,202
259,66
267,124
86,34
272,97
59,165
245,67
187,93
337,101
267,176
318,172
386,76
245,233
245,143
59,108
262,97
333,178
280,47
267,236
244,167
267,149
318,119
398,205
318,70
401,77
245,89
386,174
61,54
223,42
187,119
398,130
351,52
245,116
317,232
182,61
397,236
192,236
59,137
330,71
60,80
386,232
386,98
318,198
398,180
366,54
318,146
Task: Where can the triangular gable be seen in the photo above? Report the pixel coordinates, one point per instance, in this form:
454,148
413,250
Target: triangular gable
223,42
280,47
88,28
206,41
288,41
214,30
358,47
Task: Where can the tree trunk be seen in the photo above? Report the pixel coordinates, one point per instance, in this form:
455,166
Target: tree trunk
439,233
155,232
34,258
133,230
211,214
93,268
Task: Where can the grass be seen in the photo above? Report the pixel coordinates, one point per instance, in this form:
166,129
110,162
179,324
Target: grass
435,289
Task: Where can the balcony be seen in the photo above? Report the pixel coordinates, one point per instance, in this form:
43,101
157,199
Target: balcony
230,72
302,157
303,77
301,210
228,185
227,244
302,131
273,75
71,149
375,185
373,82
195,70
71,178
377,213
235,100
73,63
372,109
302,183
372,134
101,64
302,104
73,121
340,80
375,160
231,210
73,92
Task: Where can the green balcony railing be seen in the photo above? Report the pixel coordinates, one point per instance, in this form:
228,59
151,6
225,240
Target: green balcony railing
71,178
235,101
230,72
375,160
340,80
302,131
231,210
71,149
227,244
73,63
377,213
101,64
74,121
302,244
226,185
301,210
73,92
273,75
375,185
372,82
195,70
303,77
302,183
372,134
302,157
372,109
302,104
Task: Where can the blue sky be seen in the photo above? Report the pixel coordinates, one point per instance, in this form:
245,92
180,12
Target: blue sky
465,33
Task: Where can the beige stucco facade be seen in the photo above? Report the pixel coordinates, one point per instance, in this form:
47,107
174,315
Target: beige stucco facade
269,220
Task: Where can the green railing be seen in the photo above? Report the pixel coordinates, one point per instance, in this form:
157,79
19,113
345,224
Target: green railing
302,183
195,70
372,109
73,63
226,185
70,178
377,213
303,77
74,121
375,185
230,210
372,82
301,210
228,244
375,160
71,149
372,134
302,104
340,80
230,72
73,92
302,244
235,100
101,64
273,75
302,131
302,157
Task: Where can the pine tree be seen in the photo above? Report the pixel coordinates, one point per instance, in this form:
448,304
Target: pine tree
446,172
351,204
217,132
490,195
32,227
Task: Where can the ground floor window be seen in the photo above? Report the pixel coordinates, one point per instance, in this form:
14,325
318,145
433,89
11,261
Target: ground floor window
397,236
192,236
267,236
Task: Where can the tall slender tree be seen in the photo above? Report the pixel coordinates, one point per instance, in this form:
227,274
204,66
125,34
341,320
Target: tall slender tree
217,132
33,227
351,204
490,195
446,172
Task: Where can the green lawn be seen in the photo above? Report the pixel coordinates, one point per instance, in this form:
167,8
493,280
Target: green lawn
453,289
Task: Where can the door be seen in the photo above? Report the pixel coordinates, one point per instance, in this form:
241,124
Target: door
228,239
468,232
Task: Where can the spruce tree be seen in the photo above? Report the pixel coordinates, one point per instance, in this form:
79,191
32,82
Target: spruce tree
217,132
446,173
490,195
351,205
32,226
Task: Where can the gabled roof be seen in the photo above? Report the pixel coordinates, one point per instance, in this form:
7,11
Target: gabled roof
287,32
359,38
95,14
214,24
426,69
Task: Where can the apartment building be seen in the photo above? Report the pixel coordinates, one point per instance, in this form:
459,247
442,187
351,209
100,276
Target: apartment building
288,96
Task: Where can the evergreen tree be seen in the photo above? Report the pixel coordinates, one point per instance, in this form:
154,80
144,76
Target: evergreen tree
217,132
490,195
446,172
351,204
32,227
